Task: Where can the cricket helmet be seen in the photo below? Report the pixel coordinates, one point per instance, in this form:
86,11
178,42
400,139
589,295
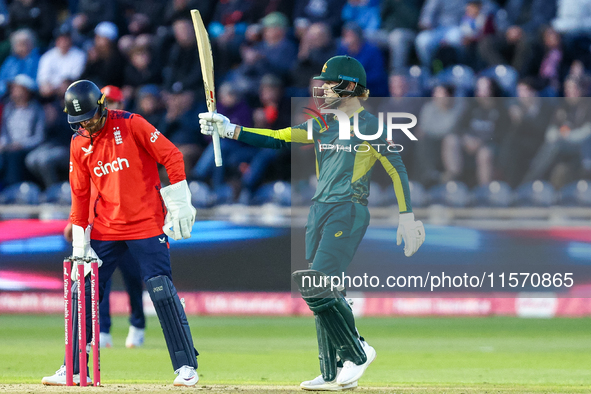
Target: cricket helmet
342,69
83,100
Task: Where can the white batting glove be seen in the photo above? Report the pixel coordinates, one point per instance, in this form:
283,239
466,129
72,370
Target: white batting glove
81,248
212,121
411,231
181,214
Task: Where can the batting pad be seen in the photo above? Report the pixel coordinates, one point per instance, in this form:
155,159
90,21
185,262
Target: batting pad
173,321
333,312
327,353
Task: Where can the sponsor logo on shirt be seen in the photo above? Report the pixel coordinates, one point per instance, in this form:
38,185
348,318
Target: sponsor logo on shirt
117,134
107,168
87,151
154,136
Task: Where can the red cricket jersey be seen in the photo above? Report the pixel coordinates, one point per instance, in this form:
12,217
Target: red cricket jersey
122,164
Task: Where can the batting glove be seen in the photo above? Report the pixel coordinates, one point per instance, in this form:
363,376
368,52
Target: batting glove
212,121
181,214
411,231
81,248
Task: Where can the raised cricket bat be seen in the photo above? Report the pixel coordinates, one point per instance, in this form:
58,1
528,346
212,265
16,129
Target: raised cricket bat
206,59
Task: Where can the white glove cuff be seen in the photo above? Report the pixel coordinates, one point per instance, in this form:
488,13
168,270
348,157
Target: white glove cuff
78,239
408,217
176,190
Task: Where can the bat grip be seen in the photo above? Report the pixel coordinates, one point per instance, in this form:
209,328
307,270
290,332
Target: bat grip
216,149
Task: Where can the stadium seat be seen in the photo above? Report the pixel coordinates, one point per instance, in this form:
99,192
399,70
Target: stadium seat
223,194
376,195
418,195
459,76
535,194
495,194
576,194
505,76
201,195
418,81
21,193
58,193
274,192
302,193
453,194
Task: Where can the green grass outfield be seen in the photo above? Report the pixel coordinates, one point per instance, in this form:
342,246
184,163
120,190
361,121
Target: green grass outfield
423,355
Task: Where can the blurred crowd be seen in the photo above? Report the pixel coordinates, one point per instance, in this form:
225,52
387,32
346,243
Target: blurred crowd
528,51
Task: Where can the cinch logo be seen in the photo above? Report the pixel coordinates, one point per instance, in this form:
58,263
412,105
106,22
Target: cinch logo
115,165
345,125
154,136
117,134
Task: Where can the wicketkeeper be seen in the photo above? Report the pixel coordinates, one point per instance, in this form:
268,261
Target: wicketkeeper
339,216
118,152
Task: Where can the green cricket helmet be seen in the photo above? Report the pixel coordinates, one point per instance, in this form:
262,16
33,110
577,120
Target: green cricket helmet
341,69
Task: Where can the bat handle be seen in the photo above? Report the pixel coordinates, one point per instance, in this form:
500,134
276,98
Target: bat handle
216,149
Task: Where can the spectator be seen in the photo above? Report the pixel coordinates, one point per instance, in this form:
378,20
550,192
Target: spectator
573,22
176,8
276,53
23,128
62,62
366,13
475,24
153,10
570,128
141,69
113,97
234,153
92,12
530,116
551,67
49,161
179,124
37,15
316,47
480,133
307,12
105,65
274,113
400,19
24,58
353,44
150,105
440,22
228,31
400,100
517,44
260,8
438,121
182,66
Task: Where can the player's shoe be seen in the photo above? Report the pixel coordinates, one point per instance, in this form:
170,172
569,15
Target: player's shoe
135,337
319,384
59,378
105,339
187,376
352,372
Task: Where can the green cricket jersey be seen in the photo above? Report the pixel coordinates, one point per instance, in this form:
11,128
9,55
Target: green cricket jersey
343,167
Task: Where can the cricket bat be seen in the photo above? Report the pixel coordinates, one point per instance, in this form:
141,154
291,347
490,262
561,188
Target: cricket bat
206,60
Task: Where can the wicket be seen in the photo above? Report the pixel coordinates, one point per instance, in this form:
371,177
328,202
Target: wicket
81,310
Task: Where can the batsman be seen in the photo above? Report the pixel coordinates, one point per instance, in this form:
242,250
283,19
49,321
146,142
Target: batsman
339,215
118,152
